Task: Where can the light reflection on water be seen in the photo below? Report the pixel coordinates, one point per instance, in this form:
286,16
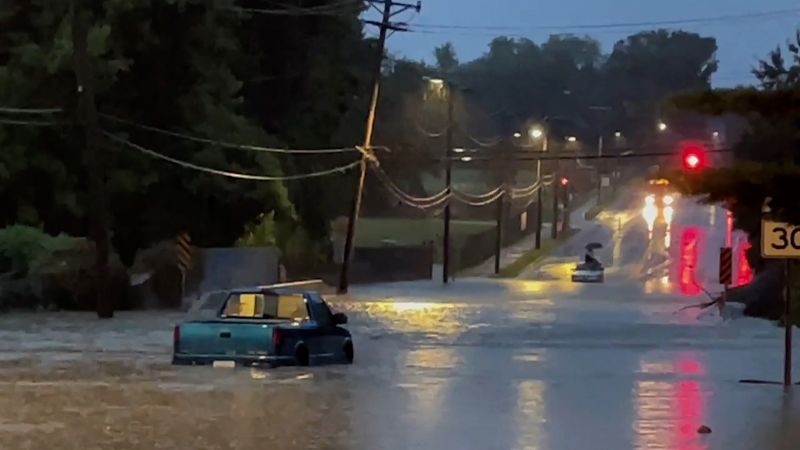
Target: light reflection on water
531,415
667,414
428,396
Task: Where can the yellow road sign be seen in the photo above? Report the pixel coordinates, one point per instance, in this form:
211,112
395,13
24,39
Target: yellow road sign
779,240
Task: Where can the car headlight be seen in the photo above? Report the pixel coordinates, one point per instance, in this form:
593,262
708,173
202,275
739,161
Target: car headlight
668,199
650,200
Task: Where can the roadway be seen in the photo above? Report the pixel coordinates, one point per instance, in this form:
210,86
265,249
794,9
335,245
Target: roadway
532,363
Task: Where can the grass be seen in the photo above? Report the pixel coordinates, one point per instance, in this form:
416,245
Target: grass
372,232
528,258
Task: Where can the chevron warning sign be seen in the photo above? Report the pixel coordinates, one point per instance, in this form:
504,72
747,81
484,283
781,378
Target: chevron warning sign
183,248
726,266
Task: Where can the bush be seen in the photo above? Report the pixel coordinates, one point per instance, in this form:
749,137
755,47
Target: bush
40,270
67,279
161,262
303,255
21,245
262,233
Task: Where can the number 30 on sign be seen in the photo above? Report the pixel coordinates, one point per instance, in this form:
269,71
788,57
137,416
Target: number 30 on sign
780,240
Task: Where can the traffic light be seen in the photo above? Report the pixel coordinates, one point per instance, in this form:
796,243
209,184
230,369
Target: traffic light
564,181
693,157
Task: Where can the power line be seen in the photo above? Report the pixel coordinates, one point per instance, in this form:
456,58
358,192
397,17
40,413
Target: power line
9,110
32,123
236,175
227,144
700,20
335,9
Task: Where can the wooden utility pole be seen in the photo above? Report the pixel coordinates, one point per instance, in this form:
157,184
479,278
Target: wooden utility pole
384,25
93,158
448,179
539,196
498,243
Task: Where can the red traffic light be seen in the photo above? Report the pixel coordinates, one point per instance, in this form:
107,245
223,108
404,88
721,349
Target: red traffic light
694,157
564,181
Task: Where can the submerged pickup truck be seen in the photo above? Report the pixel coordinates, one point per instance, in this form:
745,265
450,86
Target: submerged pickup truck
262,326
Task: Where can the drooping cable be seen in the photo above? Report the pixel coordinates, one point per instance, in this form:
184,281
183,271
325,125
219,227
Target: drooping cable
224,173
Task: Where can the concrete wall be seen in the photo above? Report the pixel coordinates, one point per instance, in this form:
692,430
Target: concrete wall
236,267
380,264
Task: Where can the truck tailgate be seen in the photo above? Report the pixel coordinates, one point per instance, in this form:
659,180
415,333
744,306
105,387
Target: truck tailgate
225,339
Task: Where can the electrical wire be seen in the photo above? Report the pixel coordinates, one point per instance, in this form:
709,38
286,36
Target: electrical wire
8,110
427,133
236,175
699,20
384,177
485,144
479,197
335,9
228,144
32,123
458,196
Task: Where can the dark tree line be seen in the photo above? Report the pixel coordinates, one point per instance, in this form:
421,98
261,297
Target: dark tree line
212,70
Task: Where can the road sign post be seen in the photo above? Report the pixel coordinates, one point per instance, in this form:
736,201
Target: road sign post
780,240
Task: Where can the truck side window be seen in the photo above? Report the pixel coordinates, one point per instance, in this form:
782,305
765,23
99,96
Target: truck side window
322,314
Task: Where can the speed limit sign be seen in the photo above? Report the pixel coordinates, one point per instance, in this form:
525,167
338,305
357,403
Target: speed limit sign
780,240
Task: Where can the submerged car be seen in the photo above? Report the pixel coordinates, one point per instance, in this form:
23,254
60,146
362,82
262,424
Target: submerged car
266,325
590,270
587,273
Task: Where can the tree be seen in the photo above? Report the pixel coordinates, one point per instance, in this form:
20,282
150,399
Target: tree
446,59
766,163
169,65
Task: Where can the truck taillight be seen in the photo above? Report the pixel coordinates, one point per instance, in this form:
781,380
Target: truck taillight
176,335
277,337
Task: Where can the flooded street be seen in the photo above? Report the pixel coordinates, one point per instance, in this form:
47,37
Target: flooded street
533,363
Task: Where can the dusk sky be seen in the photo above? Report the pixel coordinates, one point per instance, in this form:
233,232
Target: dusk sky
741,40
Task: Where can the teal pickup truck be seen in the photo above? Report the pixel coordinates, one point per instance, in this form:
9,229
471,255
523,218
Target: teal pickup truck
265,325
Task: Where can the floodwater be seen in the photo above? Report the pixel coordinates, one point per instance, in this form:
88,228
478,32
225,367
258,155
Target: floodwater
533,363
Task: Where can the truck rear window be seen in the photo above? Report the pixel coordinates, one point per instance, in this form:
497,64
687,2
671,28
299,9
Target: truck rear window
261,306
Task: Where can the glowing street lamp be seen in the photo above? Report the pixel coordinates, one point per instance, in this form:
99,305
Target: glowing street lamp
536,133
572,139
662,126
517,135
617,134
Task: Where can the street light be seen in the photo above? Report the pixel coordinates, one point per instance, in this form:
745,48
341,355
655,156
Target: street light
466,158
572,139
715,134
662,126
536,133
617,134
517,135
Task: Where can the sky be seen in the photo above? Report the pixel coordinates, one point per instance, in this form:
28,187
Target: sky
741,41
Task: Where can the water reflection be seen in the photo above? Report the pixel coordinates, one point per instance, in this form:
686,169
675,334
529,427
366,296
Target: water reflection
650,213
668,413
437,318
744,274
428,396
687,264
531,417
